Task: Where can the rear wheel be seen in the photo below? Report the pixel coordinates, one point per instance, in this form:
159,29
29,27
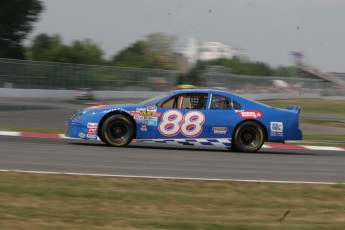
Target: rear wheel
117,130
248,137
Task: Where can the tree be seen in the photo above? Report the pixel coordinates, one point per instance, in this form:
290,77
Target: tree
155,52
241,67
86,52
46,48
51,48
285,71
136,55
16,21
160,43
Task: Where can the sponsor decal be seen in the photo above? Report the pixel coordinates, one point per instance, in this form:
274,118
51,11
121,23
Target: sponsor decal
219,130
146,113
152,122
92,125
277,129
91,136
250,114
147,116
82,135
152,108
134,113
139,119
143,128
116,109
92,131
96,107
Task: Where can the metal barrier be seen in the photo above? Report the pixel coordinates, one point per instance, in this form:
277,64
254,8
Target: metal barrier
222,78
20,74
52,75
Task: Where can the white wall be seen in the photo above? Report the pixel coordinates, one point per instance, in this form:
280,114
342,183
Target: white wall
68,94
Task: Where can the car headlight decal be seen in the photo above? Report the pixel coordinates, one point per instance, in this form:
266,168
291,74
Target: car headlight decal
78,116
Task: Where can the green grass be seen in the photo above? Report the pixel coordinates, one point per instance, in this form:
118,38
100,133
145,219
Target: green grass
324,137
324,140
33,201
312,106
321,140
331,123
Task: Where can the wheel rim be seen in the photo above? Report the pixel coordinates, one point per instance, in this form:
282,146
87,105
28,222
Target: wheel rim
249,137
119,131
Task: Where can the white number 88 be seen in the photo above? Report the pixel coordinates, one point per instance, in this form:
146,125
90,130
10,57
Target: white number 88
173,122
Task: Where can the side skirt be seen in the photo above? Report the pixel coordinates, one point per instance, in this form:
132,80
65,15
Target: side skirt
216,142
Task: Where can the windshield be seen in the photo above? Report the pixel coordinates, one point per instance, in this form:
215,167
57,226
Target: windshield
151,101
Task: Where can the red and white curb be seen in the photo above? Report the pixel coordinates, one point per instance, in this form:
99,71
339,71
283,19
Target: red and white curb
31,134
267,146
306,147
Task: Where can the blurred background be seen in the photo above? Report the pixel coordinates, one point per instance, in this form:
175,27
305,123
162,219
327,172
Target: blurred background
206,51
57,56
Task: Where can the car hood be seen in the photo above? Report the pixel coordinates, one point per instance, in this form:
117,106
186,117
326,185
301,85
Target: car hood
125,107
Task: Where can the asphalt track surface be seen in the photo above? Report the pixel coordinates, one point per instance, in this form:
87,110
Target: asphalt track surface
90,157
52,114
160,161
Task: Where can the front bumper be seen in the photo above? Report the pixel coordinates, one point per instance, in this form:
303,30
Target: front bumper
75,128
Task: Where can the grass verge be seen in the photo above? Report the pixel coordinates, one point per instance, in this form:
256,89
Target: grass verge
33,201
337,124
312,106
322,140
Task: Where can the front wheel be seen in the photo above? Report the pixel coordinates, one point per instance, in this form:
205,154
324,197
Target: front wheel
248,137
117,130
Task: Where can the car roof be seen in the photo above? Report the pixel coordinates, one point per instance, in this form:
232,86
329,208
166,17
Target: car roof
200,90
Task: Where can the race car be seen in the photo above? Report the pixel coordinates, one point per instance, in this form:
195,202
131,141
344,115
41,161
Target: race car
200,117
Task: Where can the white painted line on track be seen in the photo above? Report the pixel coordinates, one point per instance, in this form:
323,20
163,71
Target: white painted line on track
170,178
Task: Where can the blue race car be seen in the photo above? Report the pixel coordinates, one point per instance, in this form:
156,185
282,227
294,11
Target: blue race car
188,117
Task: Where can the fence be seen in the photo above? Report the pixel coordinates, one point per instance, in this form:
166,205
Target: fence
220,77
47,75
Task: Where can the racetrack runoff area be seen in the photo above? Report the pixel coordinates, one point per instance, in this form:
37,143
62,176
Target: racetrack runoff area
106,202
51,199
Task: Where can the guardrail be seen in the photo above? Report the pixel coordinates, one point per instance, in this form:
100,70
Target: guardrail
53,75
101,95
28,75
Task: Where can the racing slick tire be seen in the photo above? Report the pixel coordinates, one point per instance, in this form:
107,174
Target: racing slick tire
117,130
248,137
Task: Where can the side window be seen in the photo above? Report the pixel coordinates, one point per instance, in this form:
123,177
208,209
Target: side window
237,106
197,101
172,102
186,101
220,102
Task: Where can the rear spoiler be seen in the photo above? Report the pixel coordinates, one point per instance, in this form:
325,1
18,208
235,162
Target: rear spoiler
296,109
